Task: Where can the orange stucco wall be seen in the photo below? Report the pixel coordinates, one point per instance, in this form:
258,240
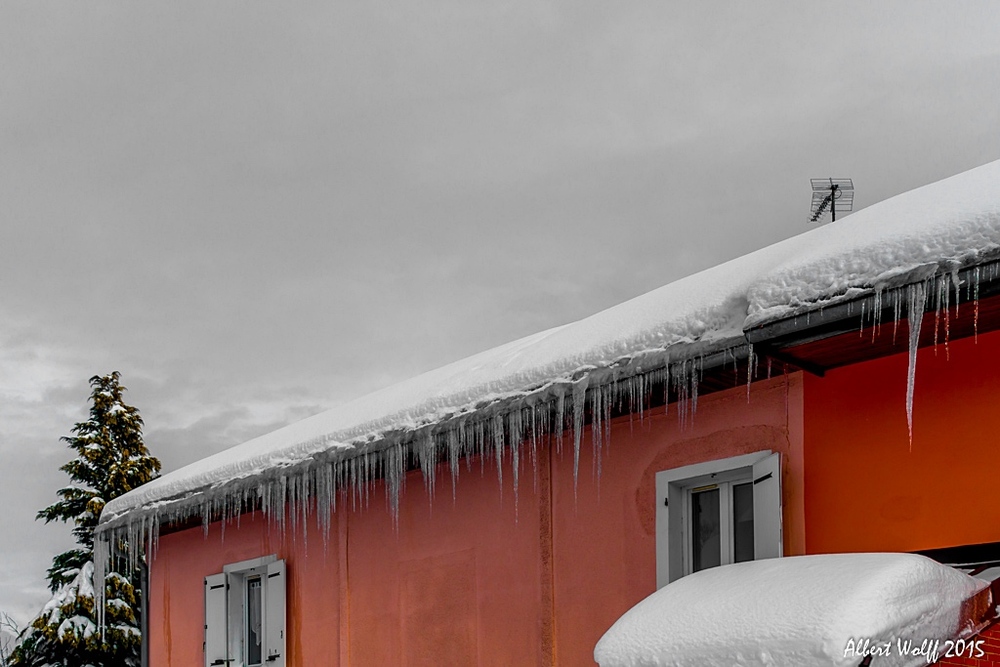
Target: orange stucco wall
868,489
183,559
459,583
604,532
481,579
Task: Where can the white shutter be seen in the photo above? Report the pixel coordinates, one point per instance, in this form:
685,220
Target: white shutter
669,517
274,614
767,507
216,622
235,614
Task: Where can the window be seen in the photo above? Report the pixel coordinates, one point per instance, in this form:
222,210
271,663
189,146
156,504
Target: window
245,614
716,513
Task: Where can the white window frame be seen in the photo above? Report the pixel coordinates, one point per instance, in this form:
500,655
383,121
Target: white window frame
674,546
226,613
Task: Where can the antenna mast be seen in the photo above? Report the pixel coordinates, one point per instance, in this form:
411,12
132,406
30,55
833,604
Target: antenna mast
835,194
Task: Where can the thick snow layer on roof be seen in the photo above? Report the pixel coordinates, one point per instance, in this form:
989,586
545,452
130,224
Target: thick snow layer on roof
804,611
948,224
953,222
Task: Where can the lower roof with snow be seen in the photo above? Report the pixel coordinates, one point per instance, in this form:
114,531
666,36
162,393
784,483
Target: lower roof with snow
934,230
808,611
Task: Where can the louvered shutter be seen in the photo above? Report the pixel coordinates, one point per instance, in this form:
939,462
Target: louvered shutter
274,619
216,621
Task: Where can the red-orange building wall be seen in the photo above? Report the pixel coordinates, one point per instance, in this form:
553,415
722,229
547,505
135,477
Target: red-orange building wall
604,532
176,589
867,488
484,579
870,488
479,580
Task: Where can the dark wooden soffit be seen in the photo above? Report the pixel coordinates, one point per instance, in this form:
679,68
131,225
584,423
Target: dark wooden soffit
845,334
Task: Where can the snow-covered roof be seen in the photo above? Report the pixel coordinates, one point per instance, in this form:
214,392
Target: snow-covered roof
940,227
828,610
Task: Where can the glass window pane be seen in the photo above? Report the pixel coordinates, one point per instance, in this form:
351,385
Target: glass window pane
253,635
705,530
742,522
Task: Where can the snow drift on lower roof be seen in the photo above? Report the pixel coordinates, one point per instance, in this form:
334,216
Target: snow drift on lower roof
939,227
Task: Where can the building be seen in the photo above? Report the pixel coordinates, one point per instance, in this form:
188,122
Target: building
834,392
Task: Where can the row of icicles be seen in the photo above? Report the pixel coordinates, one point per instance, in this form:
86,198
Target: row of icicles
513,430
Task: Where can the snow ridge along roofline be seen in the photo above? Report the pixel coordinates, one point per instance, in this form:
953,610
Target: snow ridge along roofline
578,373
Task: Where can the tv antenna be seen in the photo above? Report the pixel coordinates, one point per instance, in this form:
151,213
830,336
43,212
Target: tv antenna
833,194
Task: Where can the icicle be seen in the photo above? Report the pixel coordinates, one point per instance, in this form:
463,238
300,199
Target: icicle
626,400
454,445
877,313
327,501
206,516
479,439
354,473
350,479
640,390
937,284
666,386
291,506
359,471
515,446
534,448
464,448
679,383
897,305
679,374
101,557
394,471
150,544
596,428
946,306
498,447
630,392
281,501
750,364
697,364
520,423
916,305
222,525
975,304
579,403
427,457
304,494
600,428
560,416
608,405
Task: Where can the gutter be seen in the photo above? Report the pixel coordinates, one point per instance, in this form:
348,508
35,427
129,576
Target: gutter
778,338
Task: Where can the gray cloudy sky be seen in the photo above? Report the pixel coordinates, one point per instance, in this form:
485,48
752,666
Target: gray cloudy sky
255,211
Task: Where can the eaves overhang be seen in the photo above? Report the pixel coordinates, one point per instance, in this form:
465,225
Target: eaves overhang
957,304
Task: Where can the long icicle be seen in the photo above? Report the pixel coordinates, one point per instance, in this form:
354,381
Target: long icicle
579,404
916,305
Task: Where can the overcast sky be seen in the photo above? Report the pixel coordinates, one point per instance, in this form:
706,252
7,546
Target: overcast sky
255,211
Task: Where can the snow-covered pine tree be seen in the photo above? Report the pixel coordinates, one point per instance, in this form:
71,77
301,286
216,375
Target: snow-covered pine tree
111,459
